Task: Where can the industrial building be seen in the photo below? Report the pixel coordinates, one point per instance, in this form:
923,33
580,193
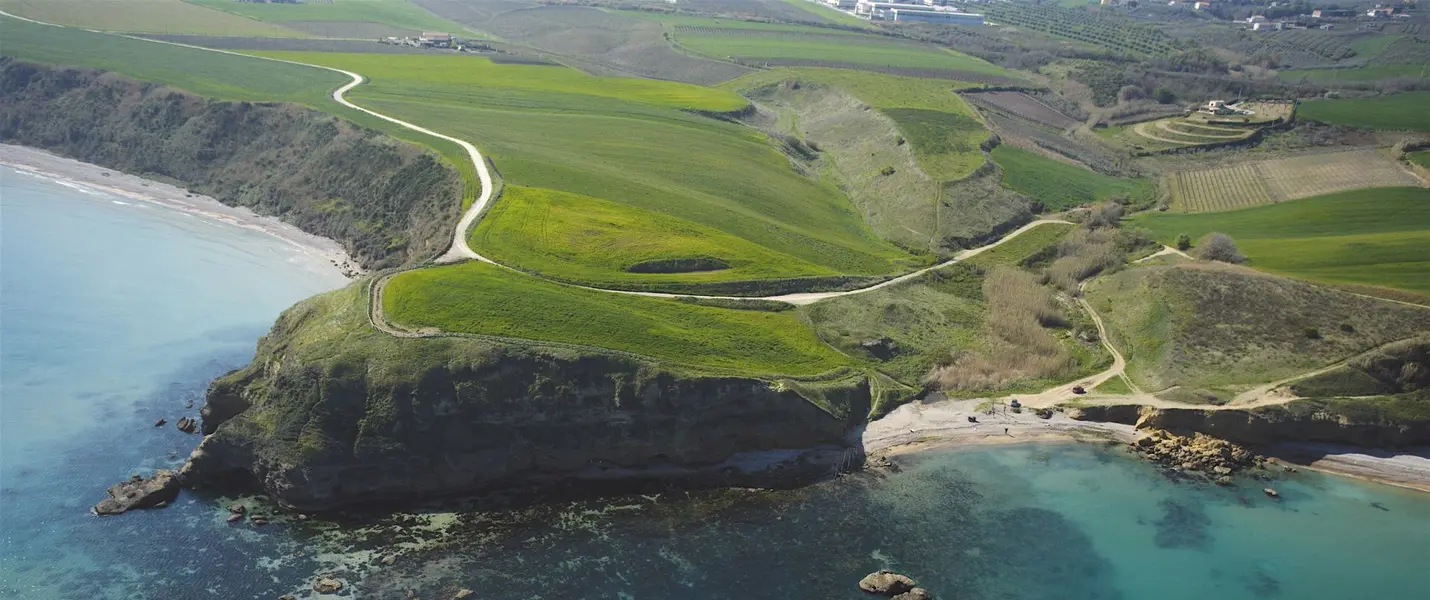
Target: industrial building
930,12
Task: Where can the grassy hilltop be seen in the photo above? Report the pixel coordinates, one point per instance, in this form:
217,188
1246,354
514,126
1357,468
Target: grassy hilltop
791,149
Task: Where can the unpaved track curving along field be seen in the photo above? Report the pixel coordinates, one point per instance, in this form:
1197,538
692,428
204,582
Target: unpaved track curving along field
460,250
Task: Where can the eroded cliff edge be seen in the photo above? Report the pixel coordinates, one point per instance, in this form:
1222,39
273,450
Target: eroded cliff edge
386,201
332,412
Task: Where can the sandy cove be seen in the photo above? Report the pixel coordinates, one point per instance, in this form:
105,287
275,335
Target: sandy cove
941,423
71,172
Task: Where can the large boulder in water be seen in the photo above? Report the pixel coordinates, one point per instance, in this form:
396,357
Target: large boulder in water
886,583
915,594
139,492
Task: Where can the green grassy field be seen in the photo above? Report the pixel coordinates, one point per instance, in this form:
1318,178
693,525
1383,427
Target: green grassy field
1421,158
1030,243
674,20
1358,74
641,151
453,78
829,14
580,238
145,16
945,131
1377,237
1406,110
1060,185
872,51
479,298
212,74
397,13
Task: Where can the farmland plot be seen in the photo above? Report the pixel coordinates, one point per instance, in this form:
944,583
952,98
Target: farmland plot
1318,174
1023,105
1244,185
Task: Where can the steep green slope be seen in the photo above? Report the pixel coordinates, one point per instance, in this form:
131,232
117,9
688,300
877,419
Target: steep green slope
574,133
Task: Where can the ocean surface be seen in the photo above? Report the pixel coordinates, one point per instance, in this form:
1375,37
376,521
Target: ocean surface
114,313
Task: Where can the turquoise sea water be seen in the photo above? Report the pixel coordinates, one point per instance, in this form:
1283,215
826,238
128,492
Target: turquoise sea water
113,315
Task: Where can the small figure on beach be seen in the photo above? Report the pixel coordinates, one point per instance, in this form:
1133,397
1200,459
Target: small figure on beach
1005,431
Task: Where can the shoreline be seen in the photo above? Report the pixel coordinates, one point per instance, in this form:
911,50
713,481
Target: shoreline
94,178
919,426
943,424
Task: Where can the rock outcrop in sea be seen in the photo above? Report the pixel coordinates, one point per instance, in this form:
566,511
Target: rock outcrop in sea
138,492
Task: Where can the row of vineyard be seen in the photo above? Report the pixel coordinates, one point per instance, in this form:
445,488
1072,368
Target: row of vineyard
1214,190
1113,33
1327,45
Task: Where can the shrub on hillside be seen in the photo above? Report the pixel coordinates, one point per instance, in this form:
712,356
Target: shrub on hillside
1019,345
1184,242
1107,214
1219,247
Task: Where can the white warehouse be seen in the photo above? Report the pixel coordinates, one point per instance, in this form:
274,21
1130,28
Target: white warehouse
911,13
904,15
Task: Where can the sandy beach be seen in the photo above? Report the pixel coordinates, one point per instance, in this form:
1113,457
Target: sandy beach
943,422
1402,468
84,176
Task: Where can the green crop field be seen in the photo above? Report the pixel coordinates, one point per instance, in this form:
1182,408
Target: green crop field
1406,110
1421,158
943,129
580,238
1358,74
871,51
1378,237
144,16
572,132
1060,185
396,13
484,299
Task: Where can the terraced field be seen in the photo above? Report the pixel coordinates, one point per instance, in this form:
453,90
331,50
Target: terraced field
1250,184
1372,237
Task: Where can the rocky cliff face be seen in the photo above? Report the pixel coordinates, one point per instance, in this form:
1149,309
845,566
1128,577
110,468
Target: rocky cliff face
387,202
1299,421
332,414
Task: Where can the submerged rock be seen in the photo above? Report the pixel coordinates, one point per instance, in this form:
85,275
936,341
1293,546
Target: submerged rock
327,585
160,422
886,583
138,492
915,594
